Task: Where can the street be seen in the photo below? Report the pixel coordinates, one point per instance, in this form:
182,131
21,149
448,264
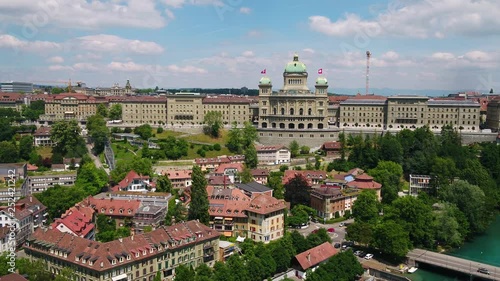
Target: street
337,237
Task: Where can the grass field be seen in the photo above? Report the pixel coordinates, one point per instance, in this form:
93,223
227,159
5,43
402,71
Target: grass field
207,139
166,133
123,152
44,151
209,154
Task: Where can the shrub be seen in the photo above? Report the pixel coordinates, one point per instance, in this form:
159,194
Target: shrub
201,152
159,130
217,147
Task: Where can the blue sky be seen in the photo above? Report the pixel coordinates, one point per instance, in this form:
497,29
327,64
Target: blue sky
418,44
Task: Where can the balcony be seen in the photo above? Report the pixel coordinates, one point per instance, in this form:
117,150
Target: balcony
208,258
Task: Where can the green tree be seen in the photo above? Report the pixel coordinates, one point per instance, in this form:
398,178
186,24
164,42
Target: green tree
300,244
246,175
249,134
343,266
60,198
222,272
251,156
294,148
275,182
305,149
360,232
57,91
203,273
145,131
198,209
236,264
91,179
235,137
176,211
141,166
391,149
8,152
184,273
102,110
25,147
163,184
213,123
450,226
389,174
391,238
297,191
115,112
66,135
6,130
366,207
158,276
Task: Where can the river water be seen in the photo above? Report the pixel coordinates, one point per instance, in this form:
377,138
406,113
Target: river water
484,248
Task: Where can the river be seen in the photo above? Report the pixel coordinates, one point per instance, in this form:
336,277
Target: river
484,248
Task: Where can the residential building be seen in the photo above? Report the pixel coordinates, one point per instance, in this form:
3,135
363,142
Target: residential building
149,215
71,163
5,238
180,178
330,201
77,221
331,148
133,182
231,170
260,175
220,181
28,215
16,87
226,249
273,155
312,177
13,100
122,211
419,183
138,257
235,214
312,258
253,189
13,181
41,137
363,182
41,181
146,198
57,168
210,164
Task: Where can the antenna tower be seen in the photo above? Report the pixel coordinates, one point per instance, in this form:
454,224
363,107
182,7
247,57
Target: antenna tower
368,56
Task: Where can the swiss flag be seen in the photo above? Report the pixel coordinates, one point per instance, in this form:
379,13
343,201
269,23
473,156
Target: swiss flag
320,71
263,72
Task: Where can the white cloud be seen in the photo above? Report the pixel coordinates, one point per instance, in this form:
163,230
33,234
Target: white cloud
248,54
180,3
126,66
82,14
154,69
245,10
58,67
111,43
390,56
84,66
9,41
308,50
88,56
443,56
419,19
186,69
56,59
254,33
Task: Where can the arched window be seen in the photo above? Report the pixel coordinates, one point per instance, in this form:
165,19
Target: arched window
301,125
320,126
291,111
264,125
309,111
274,111
310,126
273,125
282,111
282,125
301,111
291,126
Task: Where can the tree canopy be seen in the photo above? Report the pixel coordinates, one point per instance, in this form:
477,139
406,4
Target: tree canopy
198,208
213,123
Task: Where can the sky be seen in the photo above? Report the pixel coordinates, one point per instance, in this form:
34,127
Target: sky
446,45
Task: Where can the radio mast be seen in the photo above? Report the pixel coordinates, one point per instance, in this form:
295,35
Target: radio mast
368,55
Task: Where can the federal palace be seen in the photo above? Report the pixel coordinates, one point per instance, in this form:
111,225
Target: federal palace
292,112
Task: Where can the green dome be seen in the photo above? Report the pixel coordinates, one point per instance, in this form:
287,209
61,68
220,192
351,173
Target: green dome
321,81
295,66
265,81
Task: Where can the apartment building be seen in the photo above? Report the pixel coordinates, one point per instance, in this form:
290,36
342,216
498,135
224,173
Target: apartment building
233,213
210,164
138,257
78,221
138,110
233,109
70,106
12,100
180,179
311,176
185,109
133,182
273,155
13,181
41,137
39,182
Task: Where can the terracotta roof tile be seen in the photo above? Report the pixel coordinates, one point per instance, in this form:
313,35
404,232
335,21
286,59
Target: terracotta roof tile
316,255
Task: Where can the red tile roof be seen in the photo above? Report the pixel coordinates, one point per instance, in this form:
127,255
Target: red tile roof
226,99
12,97
77,219
332,145
269,147
178,174
337,99
316,255
369,97
13,277
308,174
130,177
42,131
111,207
223,167
102,255
219,180
265,204
32,167
355,171
364,181
260,172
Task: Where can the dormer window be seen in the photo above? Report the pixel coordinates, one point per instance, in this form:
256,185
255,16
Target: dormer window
103,210
137,254
77,258
65,255
84,260
144,252
111,210
128,257
91,263
121,211
113,261
151,250
121,259
129,211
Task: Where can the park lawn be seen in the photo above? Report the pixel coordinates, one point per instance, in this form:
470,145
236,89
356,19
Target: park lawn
124,154
166,133
44,151
209,154
222,140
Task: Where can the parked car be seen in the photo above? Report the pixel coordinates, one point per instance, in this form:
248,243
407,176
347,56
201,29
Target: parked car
337,245
341,224
331,229
357,253
368,256
483,270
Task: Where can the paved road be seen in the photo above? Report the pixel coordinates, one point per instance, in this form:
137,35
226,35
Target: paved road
337,237
454,263
96,159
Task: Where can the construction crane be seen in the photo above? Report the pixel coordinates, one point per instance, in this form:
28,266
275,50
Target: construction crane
368,56
67,83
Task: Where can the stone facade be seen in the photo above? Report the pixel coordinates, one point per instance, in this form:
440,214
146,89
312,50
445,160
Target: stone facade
493,115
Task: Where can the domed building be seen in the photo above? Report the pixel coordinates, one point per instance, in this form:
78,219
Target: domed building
294,107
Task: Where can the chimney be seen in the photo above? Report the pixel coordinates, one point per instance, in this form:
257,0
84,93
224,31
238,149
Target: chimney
309,256
31,199
120,239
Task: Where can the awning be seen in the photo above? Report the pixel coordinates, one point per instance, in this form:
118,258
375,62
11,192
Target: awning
120,277
218,218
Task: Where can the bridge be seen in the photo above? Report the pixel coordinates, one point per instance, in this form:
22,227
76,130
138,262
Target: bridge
469,267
